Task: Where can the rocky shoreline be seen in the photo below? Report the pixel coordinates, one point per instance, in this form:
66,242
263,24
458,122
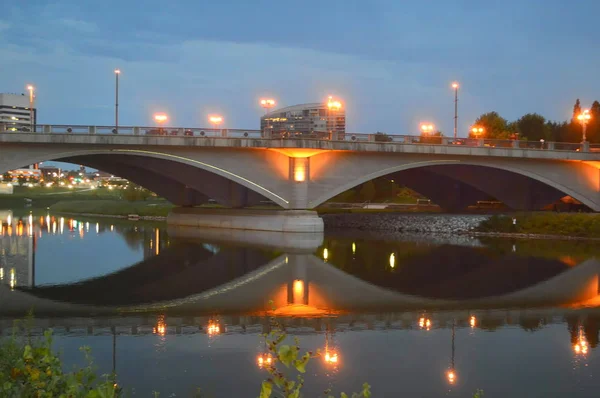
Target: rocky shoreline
402,222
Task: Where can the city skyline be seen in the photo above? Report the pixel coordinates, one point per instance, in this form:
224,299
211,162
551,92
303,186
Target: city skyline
391,64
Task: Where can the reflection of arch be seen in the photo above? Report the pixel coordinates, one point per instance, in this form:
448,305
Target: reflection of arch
477,177
197,175
177,272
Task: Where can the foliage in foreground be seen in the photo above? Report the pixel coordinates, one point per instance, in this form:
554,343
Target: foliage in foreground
282,383
565,224
31,369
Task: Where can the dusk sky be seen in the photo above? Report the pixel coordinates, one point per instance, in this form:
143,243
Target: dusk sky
390,62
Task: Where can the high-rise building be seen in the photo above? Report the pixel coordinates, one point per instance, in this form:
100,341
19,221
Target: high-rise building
316,120
15,114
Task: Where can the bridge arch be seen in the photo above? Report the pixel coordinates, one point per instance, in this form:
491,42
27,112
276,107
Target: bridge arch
476,179
200,179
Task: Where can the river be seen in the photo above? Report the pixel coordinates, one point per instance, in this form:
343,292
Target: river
418,315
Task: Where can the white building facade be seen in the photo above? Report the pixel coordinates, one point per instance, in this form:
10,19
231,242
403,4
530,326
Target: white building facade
15,113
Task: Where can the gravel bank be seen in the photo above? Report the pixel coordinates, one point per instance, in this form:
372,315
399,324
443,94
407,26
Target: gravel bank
422,223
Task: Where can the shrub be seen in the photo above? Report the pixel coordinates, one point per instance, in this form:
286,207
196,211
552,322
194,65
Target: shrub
31,369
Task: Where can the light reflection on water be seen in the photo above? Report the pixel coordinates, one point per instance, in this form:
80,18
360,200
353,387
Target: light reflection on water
173,312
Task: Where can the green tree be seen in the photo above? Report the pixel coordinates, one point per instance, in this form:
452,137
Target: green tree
533,127
6,177
576,109
22,180
368,191
593,129
494,125
382,137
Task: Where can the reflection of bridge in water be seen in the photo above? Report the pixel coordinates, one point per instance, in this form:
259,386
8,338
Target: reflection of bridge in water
237,278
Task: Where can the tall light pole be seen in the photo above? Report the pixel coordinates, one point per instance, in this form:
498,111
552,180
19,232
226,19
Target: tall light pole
160,118
455,87
31,89
584,117
215,120
117,73
267,103
332,106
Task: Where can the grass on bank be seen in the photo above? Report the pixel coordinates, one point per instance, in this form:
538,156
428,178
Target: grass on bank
545,223
113,207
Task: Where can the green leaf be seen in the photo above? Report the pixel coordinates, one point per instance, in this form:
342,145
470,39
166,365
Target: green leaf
287,354
366,390
343,395
28,353
300,364
266,389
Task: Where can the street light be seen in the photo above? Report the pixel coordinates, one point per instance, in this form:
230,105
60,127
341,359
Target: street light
455,87
215,120
267,103
117,73
332,105
584,117
477,131
427,128
31,90
161,119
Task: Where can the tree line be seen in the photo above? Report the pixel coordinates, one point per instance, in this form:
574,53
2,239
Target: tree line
535,127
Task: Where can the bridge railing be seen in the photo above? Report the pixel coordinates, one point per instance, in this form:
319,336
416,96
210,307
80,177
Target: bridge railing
382,138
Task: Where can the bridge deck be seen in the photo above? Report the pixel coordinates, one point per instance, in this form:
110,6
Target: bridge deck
303,147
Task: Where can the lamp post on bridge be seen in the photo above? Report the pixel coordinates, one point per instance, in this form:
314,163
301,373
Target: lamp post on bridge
267,103
117,73
584,117
332,106
455,87
31,90
215,120
160,118
427,128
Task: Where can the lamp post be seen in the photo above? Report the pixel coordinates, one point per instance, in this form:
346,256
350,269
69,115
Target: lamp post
215,120
427,128
455,87
477,131
267,103
332,106
584,117
31,90
161,119
117,73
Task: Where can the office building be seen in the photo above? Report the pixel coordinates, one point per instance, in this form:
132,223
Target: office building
15,114
313,120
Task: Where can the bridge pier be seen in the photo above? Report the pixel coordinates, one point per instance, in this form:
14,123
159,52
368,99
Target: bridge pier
248,219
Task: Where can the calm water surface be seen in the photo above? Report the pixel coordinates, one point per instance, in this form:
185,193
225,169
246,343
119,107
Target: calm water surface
172,309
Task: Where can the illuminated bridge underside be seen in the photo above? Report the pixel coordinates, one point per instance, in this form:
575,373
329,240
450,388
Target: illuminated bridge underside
302,178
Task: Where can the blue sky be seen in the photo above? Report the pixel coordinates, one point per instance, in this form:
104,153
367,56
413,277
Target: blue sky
391,62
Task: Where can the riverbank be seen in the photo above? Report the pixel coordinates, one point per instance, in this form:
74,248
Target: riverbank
147,210
42,197
542,225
